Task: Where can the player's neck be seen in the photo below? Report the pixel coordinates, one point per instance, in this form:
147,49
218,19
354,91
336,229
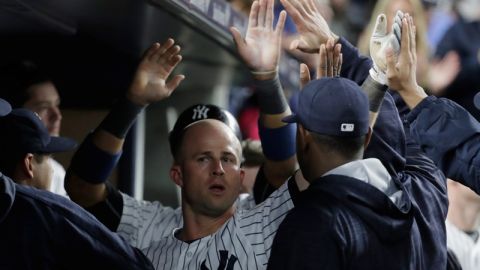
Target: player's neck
196,226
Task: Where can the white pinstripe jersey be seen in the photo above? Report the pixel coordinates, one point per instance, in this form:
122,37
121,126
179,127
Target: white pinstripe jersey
145,222
466,250
243,242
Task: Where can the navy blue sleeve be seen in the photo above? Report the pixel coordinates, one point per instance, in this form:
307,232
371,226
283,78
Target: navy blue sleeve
355,66
388,138
45,231
450,136
428,185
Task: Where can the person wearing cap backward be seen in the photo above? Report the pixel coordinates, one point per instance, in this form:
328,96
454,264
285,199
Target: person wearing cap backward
355,215
39,229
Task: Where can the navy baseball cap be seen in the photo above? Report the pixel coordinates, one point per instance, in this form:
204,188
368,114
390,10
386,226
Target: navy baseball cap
23,130
5,107
332,106
197,113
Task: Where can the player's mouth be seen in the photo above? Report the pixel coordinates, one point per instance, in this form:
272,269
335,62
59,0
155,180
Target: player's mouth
217,189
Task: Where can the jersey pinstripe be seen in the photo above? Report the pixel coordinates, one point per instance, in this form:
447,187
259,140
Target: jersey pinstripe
464,247
243,242
145,222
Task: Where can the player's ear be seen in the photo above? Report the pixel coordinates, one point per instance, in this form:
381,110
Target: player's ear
27,166
242,175
176,175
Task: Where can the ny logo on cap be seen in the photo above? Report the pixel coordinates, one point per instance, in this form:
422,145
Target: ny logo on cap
200,112
347,127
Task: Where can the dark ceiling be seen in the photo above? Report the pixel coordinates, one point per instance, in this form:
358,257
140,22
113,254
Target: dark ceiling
91,47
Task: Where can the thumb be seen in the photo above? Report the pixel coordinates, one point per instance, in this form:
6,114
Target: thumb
301,45
237,37
174,82
380,28
304,75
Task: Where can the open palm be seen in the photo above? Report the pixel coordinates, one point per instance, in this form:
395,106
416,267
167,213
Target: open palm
311,26
150,82
260,50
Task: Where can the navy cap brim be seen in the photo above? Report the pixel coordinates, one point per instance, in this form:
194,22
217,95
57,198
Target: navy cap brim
59,144
290,119
5,107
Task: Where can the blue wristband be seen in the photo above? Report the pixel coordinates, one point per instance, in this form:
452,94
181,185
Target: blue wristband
93,164
278,143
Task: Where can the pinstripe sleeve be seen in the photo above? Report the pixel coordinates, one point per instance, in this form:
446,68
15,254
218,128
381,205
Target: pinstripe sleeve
144,222
261,223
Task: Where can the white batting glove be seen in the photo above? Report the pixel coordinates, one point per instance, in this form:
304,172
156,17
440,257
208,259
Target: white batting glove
380,41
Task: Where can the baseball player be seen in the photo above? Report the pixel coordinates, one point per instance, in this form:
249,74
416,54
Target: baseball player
145,222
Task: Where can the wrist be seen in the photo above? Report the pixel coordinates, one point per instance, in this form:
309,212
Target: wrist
135,100
378,75
413,96
264,75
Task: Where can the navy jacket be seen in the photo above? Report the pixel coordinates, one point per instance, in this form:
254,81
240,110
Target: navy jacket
41,230
343,223
451,138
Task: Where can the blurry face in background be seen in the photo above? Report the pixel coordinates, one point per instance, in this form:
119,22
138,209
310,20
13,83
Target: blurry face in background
44,100
404,5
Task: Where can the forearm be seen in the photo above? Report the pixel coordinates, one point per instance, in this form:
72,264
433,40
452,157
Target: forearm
280,161
413,97
98,155
375,92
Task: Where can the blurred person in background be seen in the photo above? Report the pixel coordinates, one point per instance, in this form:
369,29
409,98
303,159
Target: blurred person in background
412,7
462,225
463,39
25,85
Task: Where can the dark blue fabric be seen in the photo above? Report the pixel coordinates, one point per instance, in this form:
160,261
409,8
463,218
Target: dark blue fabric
41,230
451,138
91,163
463,38
388,137
272,138
344,223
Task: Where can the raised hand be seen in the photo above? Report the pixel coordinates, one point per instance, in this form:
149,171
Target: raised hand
260,50
311,26
150,81
442,72
401,75
381,39
329,63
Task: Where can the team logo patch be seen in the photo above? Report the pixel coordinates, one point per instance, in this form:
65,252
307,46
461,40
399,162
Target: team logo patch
346,127
226,263
200,112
